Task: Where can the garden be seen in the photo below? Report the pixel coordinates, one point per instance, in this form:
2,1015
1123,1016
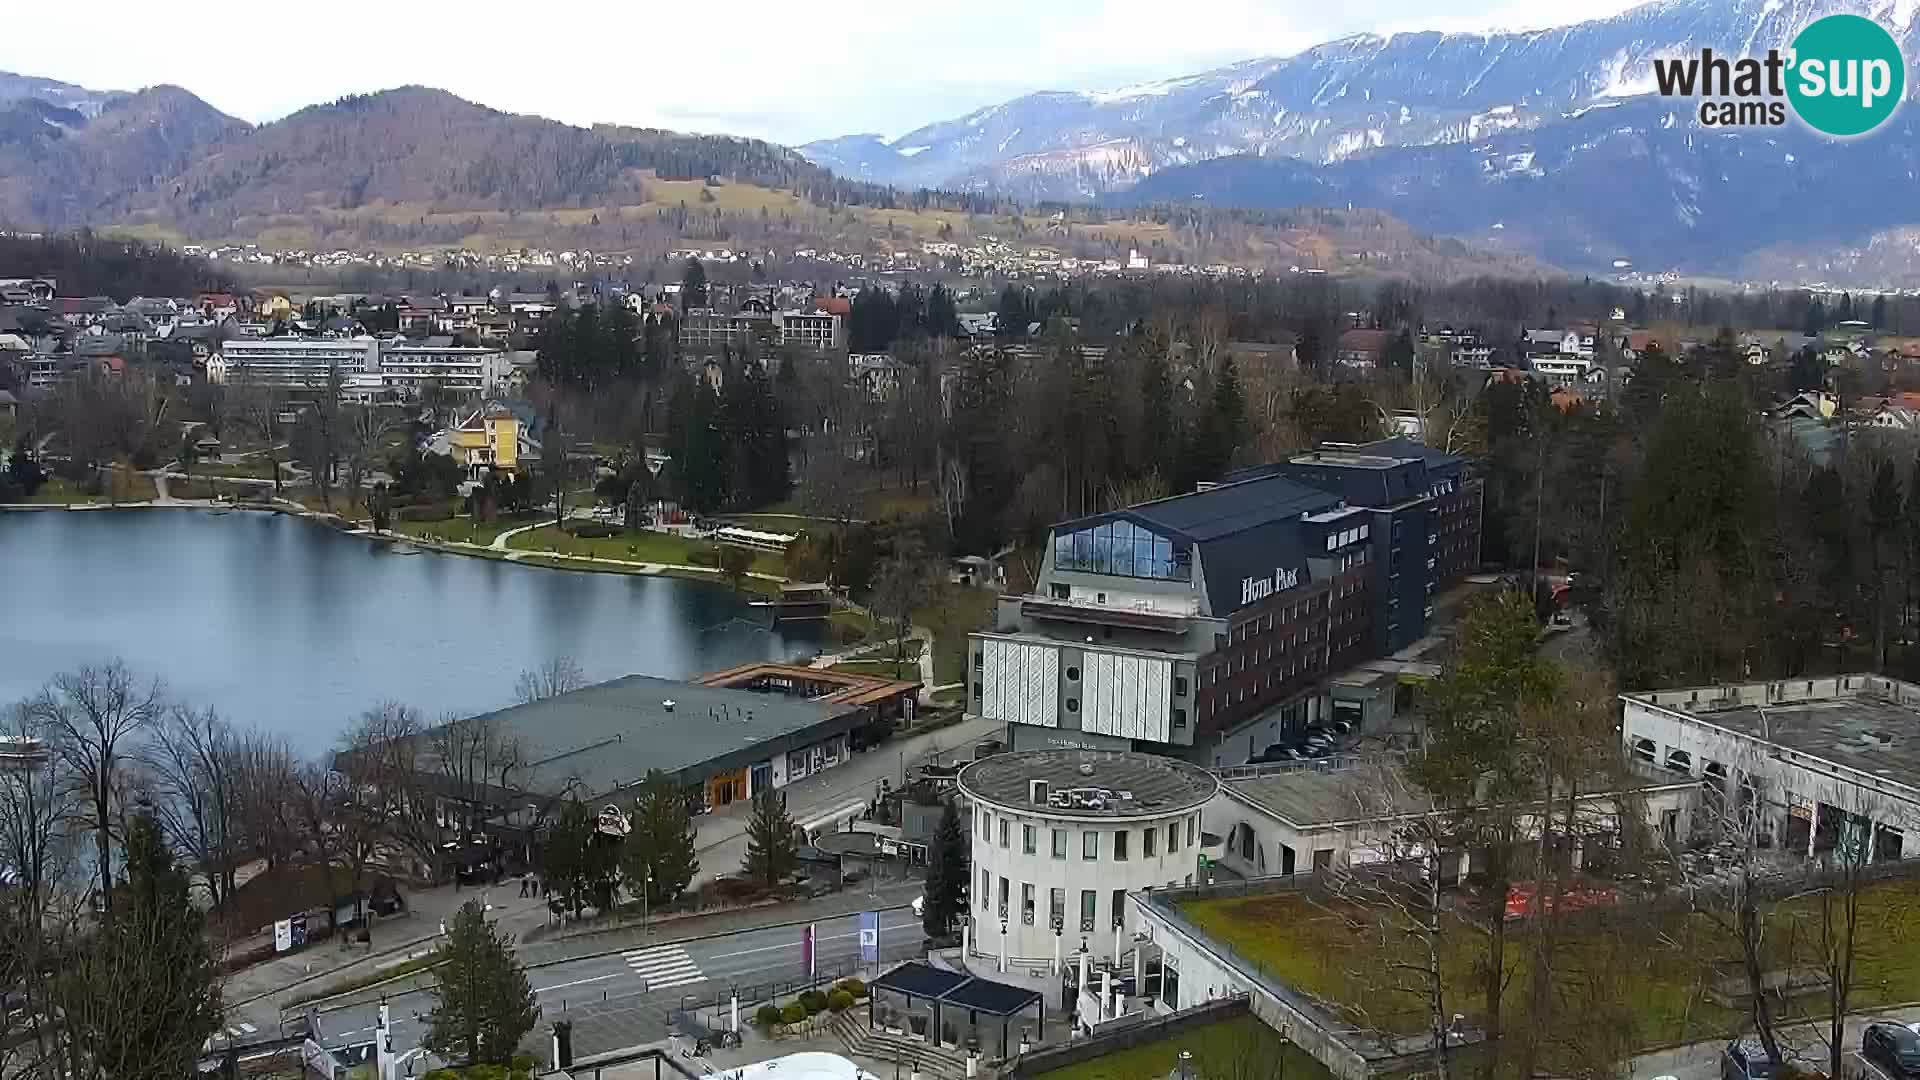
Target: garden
803,1014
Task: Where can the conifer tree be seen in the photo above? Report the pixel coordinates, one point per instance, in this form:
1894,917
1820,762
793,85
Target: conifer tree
483,1004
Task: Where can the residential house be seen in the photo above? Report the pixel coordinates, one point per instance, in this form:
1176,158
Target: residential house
9,405
876,373
1808,405
492,439
1362,349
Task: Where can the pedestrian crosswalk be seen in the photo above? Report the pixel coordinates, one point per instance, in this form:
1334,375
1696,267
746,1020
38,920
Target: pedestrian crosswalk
664,966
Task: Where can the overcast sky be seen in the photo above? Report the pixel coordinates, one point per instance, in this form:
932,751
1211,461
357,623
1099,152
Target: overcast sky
782,71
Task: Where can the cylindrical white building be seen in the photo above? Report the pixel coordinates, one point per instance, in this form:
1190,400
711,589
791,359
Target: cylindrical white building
1061,836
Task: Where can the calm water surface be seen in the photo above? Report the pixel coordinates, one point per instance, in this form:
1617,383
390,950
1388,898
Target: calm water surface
296,628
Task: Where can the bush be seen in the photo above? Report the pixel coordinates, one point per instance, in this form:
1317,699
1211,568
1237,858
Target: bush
813,1001
486,1072
839,1001
793,1013
703,555
524,1063
424,512
592,530
442,1074
768,1016
854,987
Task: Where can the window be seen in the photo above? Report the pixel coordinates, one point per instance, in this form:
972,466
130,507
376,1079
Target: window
1323,859
1089,845
1173,838
1003,898
1148,837
1059,843
986,890
1120,845
1057,908
979,660
1119,912
1073,704
1026,903
1179,686
1060,592
986,824
1193,823
1169,981
1179,719
1073,674
1089,907
1029,839
1005,828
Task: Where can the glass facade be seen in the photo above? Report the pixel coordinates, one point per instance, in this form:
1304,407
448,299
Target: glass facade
1123,549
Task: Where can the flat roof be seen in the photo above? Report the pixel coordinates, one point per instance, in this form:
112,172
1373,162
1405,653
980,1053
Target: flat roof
1316,797
610,735
1090,783
1868,723
846,687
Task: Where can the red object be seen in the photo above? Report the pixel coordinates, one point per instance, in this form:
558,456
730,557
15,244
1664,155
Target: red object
1522,899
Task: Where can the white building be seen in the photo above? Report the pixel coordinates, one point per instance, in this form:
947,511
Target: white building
1060,837
1834,761
290,361
810,330
408,366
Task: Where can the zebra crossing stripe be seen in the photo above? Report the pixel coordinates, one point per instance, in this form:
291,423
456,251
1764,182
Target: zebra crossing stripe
664,966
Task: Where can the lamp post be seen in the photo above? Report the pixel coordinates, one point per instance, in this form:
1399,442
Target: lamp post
646,905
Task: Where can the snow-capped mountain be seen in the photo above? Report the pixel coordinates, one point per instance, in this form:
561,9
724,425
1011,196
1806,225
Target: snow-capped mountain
1329,103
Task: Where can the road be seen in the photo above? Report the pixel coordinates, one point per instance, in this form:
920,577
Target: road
1805,1043
623,1000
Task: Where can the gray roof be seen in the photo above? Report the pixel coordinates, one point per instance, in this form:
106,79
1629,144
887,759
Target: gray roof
1120,783
1309,798
612,734
1846,730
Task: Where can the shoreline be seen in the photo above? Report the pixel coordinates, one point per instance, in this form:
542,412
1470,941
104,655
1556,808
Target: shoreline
541,560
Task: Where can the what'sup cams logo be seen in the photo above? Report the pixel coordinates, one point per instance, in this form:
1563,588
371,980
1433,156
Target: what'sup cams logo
1843,76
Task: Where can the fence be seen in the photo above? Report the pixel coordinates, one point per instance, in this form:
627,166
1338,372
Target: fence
1101,1044
826,974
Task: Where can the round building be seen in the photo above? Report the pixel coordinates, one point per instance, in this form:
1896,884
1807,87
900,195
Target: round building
1060,837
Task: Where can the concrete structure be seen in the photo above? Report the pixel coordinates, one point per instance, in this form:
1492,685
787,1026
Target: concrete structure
1061,836
1828,763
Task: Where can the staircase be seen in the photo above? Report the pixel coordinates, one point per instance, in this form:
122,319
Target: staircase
884,1048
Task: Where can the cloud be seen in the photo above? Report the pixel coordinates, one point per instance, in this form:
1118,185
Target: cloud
757,68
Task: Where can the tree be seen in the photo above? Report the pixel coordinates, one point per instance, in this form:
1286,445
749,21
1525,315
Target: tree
138,998
35,842
579,864
1838,901
902,581
659,857
553,464
560,675
772,851
195,767
483,1004
735,563
948,874
97,715
693,286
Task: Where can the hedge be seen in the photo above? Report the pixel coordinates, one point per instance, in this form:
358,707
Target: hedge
768,1016
793,1013
839,1001
854,987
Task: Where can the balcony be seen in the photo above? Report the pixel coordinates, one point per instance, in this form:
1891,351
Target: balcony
1165,622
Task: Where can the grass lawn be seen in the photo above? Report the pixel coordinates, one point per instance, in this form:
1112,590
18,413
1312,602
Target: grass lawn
850,627
952,612
127,487
643,546
463,530
1242,1046
1643,974
910,670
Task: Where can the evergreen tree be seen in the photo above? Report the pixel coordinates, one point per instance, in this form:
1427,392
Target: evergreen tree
1809,371
138,998
1879,316
579,863
659,855
483,1004
1816,318
947,874
693,286
772,851
553,464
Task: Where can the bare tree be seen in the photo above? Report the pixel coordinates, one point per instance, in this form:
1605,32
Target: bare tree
269,826
195,765
318,798
903,580
1397,903
475,758
37,842
97,716
557,676
1838,906
389,763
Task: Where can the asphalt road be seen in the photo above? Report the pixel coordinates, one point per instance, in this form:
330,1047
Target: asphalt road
623,1000
1805,1043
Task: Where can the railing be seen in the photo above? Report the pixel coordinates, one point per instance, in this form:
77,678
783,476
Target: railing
1330,763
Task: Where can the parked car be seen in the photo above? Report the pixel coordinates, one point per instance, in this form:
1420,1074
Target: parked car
1745,1059
1893,1048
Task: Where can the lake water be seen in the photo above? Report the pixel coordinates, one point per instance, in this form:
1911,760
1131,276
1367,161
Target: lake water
296,628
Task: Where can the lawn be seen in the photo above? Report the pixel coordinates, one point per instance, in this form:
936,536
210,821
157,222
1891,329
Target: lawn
850,627
952,612
1240,1047
644,546
461,530
1645,974
127,487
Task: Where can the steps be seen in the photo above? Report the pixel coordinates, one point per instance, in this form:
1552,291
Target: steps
885,1048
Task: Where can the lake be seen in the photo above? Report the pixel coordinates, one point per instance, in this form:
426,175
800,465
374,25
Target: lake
296,628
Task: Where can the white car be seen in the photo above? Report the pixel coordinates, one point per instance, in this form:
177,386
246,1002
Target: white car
920,906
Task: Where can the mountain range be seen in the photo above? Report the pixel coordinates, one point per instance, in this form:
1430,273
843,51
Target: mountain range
1550,142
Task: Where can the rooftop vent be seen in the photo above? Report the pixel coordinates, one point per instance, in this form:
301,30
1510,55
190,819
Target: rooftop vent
667,704
1086,768
1037,792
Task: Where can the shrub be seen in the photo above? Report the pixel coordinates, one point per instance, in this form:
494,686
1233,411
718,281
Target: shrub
793,1013
839,1001
524,1063
442,1074
768,1016
592,530
424,512
704,555
854,987
813,1001
486,1072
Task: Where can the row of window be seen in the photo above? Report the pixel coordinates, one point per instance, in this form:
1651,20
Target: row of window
1089,838
1348,536
1124,549
1056,904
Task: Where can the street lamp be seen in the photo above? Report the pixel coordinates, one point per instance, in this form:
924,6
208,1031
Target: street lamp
646,905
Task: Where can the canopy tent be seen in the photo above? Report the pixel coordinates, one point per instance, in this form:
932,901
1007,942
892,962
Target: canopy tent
954,989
